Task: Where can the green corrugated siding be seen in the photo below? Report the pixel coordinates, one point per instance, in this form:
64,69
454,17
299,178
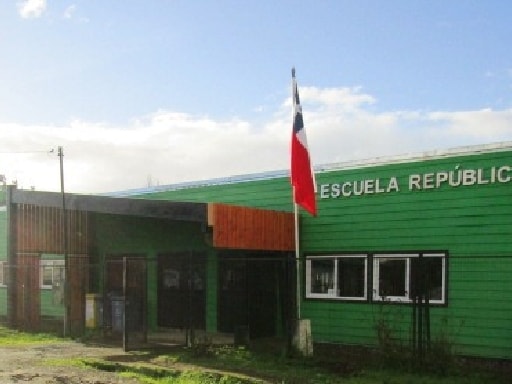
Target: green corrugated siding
472,223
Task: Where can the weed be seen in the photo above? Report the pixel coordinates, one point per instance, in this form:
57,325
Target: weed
393,351
396,352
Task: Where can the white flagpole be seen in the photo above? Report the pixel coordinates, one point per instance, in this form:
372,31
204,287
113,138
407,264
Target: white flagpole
296,213
303,327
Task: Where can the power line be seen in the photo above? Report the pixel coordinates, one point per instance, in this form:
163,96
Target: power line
26,152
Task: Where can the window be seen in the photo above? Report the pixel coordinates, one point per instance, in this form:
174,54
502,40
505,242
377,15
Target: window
52,273
4,273
394,277
351,277
336,277
434,276
400,277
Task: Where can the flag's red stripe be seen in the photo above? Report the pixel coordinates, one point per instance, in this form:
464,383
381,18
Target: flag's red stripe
301,177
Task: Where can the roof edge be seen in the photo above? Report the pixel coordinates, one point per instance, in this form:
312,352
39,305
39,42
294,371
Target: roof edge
469,150
328,167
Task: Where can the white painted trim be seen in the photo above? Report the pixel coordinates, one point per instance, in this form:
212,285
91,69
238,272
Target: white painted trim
334,295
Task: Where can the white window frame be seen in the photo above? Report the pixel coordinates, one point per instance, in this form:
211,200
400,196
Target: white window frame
332,294
407,257
376,273
53,264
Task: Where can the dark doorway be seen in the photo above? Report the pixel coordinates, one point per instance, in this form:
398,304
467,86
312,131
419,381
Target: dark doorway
182,290
253,292
135,299
125,295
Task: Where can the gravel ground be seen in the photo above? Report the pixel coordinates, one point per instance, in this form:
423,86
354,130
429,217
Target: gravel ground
26,364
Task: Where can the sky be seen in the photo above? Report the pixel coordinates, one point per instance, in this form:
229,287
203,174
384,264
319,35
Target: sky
147,93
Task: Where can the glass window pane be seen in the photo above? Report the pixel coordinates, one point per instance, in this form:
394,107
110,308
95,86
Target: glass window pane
351,277
435,281
58,274
392,277
47,275
322,272
433,267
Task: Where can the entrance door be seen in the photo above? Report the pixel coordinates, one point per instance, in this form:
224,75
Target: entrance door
124,307
135,314
182,290
252,292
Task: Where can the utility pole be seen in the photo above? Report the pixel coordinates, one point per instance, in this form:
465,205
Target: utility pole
64,242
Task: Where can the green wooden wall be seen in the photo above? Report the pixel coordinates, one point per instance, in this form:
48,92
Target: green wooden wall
269,194
471,222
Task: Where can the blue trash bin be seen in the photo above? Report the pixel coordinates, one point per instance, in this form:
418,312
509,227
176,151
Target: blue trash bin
117,313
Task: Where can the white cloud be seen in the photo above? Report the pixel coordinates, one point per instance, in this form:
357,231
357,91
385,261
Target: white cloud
30,9
69,11
170,147
345,98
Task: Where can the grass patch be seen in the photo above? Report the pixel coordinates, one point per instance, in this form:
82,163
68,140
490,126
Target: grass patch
150,374
239,365
13,337
336,369
212,364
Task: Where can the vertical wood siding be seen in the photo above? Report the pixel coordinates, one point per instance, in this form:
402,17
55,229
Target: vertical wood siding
27,286
40,229
78,278
255,229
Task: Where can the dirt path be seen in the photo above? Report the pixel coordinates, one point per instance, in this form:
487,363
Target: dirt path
29,364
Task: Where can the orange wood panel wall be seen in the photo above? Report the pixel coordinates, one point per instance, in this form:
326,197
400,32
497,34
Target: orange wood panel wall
238,227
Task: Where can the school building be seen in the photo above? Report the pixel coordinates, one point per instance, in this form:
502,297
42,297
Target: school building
408,242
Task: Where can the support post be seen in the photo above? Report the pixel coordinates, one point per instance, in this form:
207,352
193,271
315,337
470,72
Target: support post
64,243
302,339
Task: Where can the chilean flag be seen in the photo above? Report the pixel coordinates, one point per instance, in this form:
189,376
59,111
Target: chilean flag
302,177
